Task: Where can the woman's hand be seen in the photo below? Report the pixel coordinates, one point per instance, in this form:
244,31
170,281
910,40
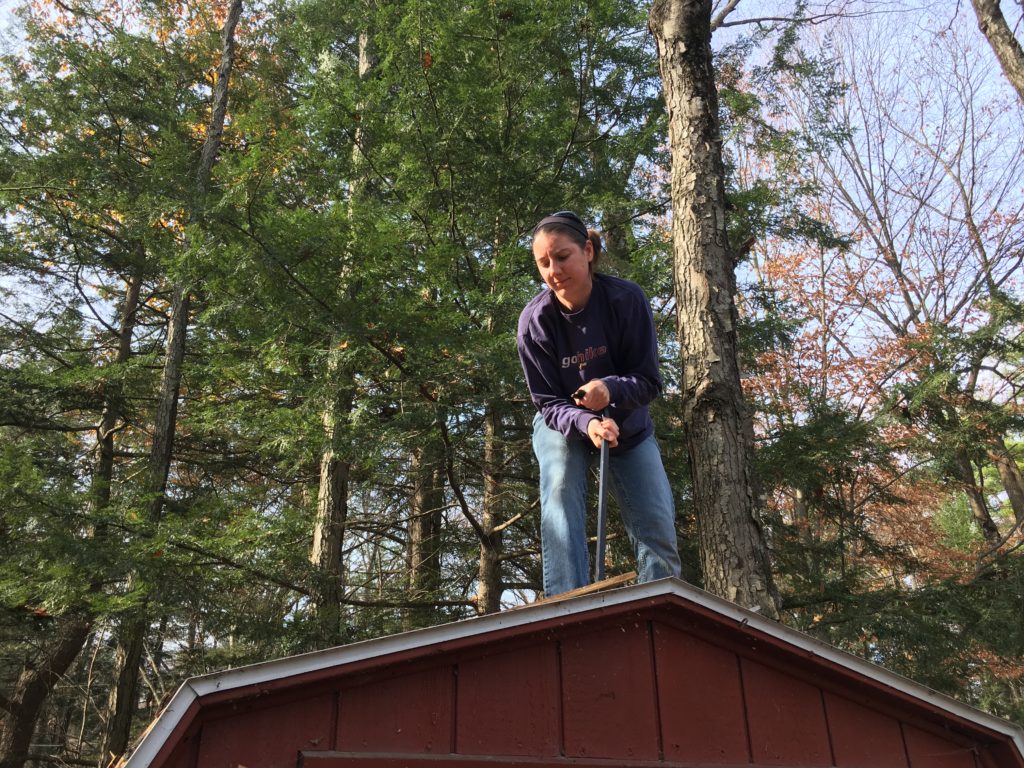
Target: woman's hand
603,429
593,395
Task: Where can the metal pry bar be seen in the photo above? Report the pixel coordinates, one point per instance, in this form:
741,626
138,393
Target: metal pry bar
602,510
602,499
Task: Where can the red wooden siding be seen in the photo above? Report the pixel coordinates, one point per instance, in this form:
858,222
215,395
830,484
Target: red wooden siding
508,703
608,694
185,754
701,699
862,737
267,737
638,689
927,749
409,713
786,717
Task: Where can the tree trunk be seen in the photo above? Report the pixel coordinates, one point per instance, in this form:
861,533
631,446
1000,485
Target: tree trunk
804,525
964,472
122,701
103,476
945,420
1010,476
490,584
719,430
331,515
122,704
123,698
38,677
1007,49
103,470
327,550
166,418
424,539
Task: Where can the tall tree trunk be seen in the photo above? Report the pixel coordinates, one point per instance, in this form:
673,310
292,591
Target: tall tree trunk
945,420
331,519
21,707
103,476
1010,476
122,704
424,538
963,470
123,697
1006,47
802,521
490,584
331,512
122,701
165,420
734,553
103,470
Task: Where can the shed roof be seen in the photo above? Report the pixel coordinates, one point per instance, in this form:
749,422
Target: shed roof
688,617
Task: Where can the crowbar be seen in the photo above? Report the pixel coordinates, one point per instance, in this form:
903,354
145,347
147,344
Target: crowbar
602,499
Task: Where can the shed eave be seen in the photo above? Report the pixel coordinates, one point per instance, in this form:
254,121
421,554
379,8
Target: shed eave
188,699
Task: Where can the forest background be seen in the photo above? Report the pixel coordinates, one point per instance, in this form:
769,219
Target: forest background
260,392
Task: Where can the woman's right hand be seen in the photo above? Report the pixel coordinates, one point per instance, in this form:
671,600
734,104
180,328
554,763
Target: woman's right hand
603,429
593,395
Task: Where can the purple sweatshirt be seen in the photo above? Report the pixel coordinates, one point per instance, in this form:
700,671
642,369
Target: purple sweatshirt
611,338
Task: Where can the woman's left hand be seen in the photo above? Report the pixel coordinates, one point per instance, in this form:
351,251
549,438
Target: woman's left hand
603,429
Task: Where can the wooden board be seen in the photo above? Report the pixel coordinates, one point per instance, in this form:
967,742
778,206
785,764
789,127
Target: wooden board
267,737
608,694
700,698
863,738
508,703
407,713
598,586
786,718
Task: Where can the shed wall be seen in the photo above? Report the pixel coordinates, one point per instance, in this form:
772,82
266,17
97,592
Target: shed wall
640,691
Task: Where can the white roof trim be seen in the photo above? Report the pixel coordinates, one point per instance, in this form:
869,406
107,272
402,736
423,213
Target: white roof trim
194,688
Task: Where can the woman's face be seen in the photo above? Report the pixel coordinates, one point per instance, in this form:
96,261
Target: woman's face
565,267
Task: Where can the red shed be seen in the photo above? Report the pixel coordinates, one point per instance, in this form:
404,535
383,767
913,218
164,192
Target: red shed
656,675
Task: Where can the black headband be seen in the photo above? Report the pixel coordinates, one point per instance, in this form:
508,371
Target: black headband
566,219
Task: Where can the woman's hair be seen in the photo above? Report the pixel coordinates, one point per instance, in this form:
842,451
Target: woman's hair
568,223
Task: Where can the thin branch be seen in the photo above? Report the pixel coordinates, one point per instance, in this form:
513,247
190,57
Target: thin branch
511,521
456,487
719,20
1002,541
813,20
61,760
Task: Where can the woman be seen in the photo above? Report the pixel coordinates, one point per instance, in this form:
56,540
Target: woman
588,344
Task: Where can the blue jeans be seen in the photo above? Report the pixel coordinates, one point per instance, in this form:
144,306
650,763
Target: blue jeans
638,480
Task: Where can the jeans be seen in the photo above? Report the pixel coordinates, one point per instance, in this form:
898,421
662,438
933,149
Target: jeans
638,480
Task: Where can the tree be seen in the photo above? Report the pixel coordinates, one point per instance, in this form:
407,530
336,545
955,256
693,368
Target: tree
491,116
1005,45
719,430
889,418
72,227
132,635
455,140
332,507
936,220
99,167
